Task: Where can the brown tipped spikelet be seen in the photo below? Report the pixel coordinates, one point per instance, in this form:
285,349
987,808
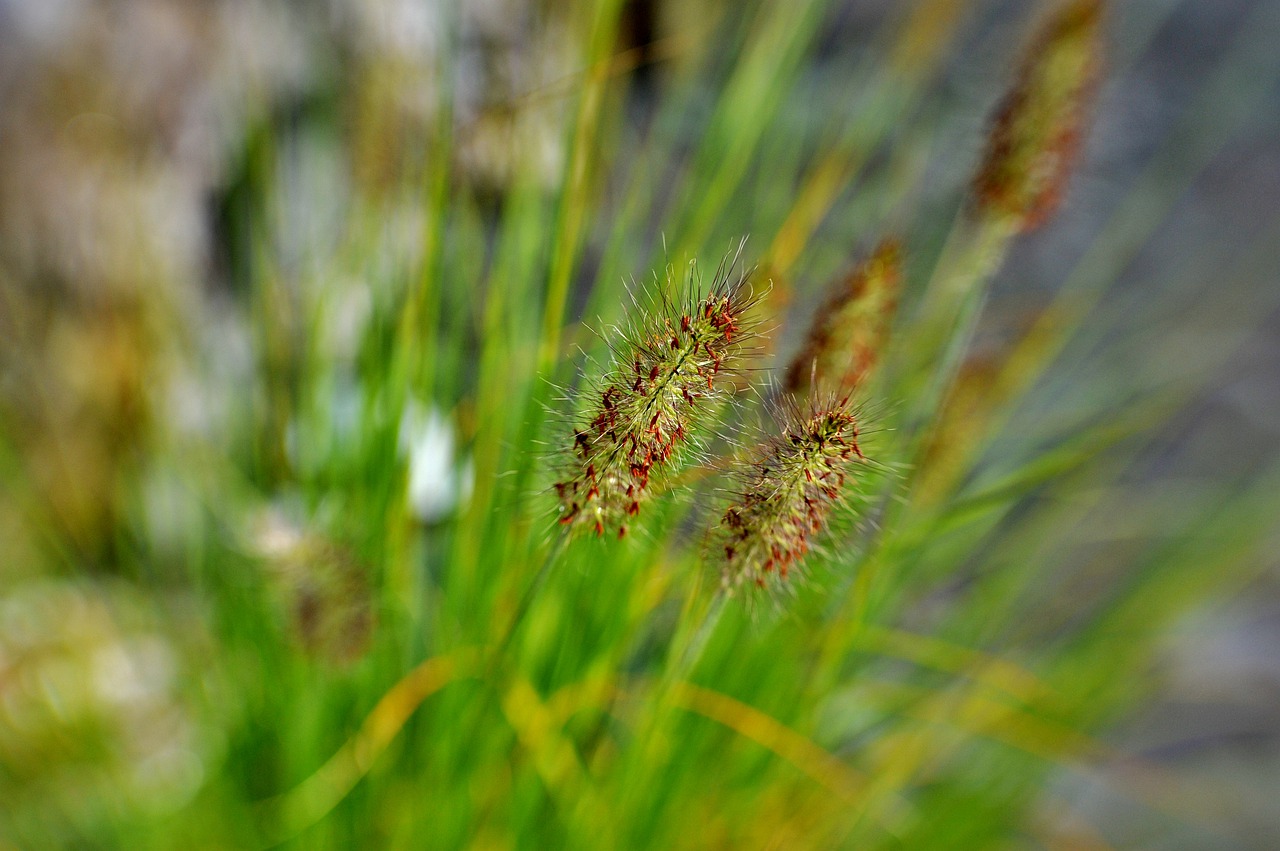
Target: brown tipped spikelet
848,334
1037,131
797,480
668,370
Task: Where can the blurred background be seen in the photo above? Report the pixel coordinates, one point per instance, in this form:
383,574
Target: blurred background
195,197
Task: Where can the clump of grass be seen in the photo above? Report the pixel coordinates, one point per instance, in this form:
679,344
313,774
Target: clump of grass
965,645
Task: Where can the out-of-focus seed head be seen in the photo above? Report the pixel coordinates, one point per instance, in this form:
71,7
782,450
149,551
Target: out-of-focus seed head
323,586
669,368
788,494
844,344
1036,134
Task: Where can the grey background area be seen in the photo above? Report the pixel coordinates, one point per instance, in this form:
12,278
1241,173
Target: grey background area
1208,283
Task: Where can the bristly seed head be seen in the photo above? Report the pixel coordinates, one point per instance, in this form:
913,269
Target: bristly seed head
1036,135
848,335
671,363
796,481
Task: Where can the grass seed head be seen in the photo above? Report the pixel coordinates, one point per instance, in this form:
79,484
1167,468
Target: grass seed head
322,584
669,369
845,341
793,485
1036,134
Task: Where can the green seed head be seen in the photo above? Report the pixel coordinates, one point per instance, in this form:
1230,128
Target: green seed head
668,371
796,481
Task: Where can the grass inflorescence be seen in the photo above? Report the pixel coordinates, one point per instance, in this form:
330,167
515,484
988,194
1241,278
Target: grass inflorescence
850,331
1039,127
670,369
791,486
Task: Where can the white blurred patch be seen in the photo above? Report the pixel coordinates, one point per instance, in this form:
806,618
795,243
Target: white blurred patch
437,482
405,27
272,536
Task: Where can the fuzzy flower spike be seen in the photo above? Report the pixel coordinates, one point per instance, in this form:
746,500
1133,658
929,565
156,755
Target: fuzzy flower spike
1036,135
844,343
669,367
798,479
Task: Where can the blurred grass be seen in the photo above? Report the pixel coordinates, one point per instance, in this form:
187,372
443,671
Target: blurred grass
988,616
